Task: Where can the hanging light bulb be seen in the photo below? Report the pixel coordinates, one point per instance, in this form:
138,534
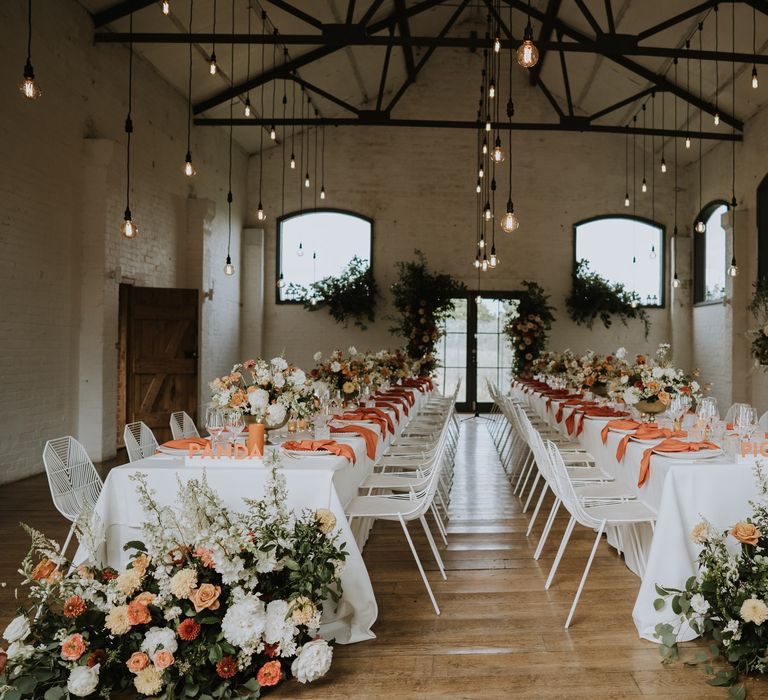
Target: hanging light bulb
644,186
272,133
700,227
300,251
166,7
306,179
281,281
481,242
28,86
493,261
652,256
498,152
626,199
676,281
717,118
497,44
481,172
478,299
754,78
476,263
229,268
477,187
260,215
527,53
189,169
687,141
488,123
322,192
212,65
663,165
492,90
129,229
733,269
484,264
247,107
509,222
487,214
293,162
485,146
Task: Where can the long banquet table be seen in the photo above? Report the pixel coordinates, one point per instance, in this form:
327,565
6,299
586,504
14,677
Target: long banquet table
313,481
681,492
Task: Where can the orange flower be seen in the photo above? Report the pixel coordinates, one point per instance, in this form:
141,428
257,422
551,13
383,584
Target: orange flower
84,571
205,556
109,574
746,533
206,597
140,564
138,613
188,630
270,673
163,659
44,568
74,606
664,397
227,667
73,647
138,662
237,399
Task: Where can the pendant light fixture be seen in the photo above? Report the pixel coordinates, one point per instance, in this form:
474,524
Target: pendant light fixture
755,84
717,67
29,88
189,169
212,65
644,185
166,7
229,268
317,116
322,166
307,181
733,268
281,278
247,110
510,222
652,254
663,166
675,278
701,226
129,229
292,161
497,155
527,53
260,214
626,167
272,130
301,150
688,90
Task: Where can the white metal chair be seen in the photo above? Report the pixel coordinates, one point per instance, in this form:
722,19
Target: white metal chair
139,441
182,426
72,479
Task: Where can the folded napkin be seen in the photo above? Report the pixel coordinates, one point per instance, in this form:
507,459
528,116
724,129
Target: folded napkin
670,445
619,424
407,395
396,403
359,415
400,400
571,402
562,394
326,445
391,404
383,415
370,436
186,443
598,412
647,431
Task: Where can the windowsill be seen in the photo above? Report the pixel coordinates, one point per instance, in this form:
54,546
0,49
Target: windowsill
713,302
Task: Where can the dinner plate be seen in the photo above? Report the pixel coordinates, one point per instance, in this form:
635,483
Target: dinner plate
691,456
175,451
599,417
646,441
622,431
308,453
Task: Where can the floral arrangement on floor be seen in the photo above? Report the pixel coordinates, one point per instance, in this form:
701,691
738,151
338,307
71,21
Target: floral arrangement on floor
526,324
758,307
423,300
268,390
592,297
727,601
213,604
350,295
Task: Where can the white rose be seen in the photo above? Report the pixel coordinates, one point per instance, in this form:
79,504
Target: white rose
278,380
275,414
624,378
20,651
83,680
657,372
631,395
621,353
699,604
298,377
313,661
279,363
335,367
258,398
317,356
17,630
159,638
352,350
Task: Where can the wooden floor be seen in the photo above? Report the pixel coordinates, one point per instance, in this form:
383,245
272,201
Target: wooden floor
500,634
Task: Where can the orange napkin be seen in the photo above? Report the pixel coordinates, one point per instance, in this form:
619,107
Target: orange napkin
391,404
647,431
186,443
381,422
379,414
619,424
670,445
407,395
600,411
327,445
370,437
402,399
571,402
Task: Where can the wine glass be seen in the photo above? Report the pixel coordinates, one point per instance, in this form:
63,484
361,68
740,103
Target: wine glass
214,422
707,413
745,421
234,423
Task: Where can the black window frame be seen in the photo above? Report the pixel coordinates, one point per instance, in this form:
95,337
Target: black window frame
304,212
662,253
761,222
700,255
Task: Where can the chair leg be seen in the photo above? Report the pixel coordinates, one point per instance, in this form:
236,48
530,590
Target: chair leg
532,491
560,552
547,527
527,477
440,525
433,546
67,541
586,573
543,493
418,563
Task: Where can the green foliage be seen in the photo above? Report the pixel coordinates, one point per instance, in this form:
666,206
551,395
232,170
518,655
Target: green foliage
423,299
350,296
758,307
526,323
592,297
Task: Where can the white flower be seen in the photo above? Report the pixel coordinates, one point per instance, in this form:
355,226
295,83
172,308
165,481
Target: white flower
182,582
244,622
754,610
621,353
352,350
157,638
694,386
699,604
313,661
83,680
275,414
278,380
624,378
657,372
20,651
317,356
279,363
631,395
17,630
734,628
298,377
172,613
335,366
258,398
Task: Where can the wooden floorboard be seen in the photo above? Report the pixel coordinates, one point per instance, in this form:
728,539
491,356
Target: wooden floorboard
500,634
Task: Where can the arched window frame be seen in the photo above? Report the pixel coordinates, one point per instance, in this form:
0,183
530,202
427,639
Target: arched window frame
700,258
304,212
662,253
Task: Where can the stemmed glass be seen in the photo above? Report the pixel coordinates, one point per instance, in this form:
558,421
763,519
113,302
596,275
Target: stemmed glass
214,423
707,413
234,423
678,408
745,421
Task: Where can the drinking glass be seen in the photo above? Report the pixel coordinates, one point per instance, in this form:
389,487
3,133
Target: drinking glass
234,423
214,422
707,413
745,421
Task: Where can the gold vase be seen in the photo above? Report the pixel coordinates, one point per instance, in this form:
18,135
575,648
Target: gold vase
650,409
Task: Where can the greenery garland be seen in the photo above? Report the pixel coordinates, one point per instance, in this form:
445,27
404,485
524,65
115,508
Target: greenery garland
349,296
423,299
526,323
593,296
758,307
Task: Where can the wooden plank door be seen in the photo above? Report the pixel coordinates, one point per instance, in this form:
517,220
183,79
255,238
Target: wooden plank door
161,356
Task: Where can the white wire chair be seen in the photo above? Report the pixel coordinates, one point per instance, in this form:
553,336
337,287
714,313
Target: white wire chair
182,426
139,441
72,479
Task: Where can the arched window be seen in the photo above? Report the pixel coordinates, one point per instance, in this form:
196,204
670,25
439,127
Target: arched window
709,255
319,243
624,250
762,230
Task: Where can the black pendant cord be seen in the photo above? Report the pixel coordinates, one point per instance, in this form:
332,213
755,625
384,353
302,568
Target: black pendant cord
645,182
663,164
248,59
626,167
510,113
293,125
213,43
315,188
189,85
701,127
717,65
653,157
309,146
231,109
261,129
674,230
282,186
274,91
688,90
733,269
28,66
301,157
754,45
322,166
129,121
634,166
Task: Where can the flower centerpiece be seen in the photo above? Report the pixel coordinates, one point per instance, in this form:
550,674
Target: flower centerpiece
346,375
727,601
266,391
213,604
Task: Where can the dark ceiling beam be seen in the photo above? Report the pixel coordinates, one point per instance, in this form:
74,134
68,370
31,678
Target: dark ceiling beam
383,79
370,12
499,19
623,103
350,11
324,93
412,11
405,32
381,119
547,25
596,28
551,98
681,17
120,10
296,12
609,17
660,81
566,81
759,5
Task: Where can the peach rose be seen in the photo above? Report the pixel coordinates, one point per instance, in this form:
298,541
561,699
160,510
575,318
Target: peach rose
746,533
138,662
145,598
664,397
205,556
163,659
138,613
85,572
269,674
140,564
44,568
73,647
206,597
